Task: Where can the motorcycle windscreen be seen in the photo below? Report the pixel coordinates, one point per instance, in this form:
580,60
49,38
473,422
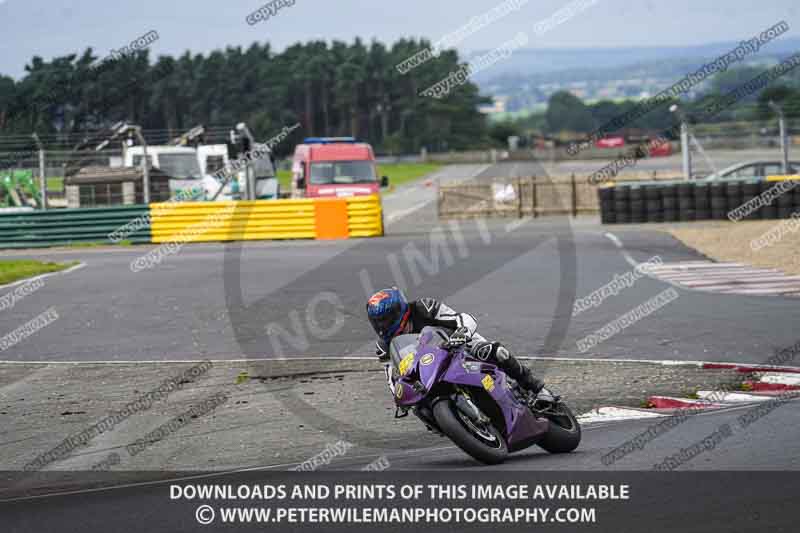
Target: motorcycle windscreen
400,349
417,360
432,360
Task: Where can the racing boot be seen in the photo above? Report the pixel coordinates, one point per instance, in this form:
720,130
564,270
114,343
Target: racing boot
521,373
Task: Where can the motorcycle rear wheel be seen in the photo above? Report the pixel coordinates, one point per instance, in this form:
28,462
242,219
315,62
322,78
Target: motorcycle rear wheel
484,443
564,434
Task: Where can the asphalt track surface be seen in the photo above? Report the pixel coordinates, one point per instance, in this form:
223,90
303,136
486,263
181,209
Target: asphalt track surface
518,279
775,434
704,501
222,301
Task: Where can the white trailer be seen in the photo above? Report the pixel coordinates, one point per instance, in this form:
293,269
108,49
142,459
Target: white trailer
196,171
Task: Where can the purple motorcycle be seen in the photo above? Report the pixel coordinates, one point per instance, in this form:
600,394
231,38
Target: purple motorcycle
474,403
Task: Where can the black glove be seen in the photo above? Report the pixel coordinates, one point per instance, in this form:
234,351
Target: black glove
383,355
459,338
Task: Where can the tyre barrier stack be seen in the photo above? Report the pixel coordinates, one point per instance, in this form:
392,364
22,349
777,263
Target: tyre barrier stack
651,202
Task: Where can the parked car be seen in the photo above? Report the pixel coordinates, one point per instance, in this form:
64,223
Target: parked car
753,169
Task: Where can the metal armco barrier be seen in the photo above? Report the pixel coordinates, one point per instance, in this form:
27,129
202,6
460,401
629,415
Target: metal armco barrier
695,200
313,218
70,226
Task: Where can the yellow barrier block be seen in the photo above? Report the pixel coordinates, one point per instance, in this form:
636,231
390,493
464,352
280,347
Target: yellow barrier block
790,177
232,221
365,214
311,218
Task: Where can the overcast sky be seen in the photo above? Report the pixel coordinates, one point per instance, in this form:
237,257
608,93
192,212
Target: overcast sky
57,27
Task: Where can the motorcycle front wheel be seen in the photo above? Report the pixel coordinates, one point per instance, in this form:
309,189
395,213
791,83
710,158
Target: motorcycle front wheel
481,441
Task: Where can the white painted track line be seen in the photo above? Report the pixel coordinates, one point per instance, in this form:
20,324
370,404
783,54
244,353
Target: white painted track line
780,379
722,278
615,414
732,397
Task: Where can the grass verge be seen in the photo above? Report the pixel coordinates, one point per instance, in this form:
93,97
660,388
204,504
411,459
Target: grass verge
285,180
55,183
398,173
16,269
401,173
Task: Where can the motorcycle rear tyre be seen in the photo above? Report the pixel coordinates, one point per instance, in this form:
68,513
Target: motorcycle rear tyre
559,439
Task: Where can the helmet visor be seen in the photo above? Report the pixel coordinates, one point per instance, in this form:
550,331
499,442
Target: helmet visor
383,323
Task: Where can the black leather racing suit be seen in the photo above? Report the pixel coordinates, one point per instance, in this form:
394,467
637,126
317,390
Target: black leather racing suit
429,312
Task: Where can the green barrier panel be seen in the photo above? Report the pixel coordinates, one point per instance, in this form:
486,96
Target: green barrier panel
63,227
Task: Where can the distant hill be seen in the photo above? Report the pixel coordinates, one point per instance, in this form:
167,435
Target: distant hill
529,76
544,60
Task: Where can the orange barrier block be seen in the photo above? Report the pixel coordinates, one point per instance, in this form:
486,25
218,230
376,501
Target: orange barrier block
331,218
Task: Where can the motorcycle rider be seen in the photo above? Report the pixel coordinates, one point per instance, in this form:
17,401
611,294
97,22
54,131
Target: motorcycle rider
391,314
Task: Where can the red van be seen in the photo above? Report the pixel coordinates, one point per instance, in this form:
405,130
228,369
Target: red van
325,167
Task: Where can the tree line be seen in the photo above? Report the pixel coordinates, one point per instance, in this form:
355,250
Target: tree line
568,115
331,89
